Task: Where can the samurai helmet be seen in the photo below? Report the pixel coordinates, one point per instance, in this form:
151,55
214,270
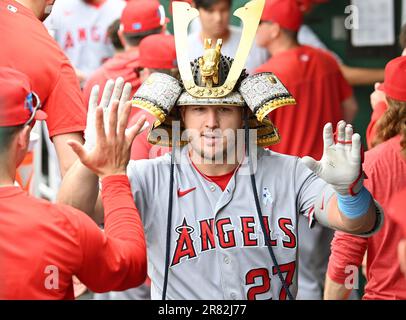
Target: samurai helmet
213,79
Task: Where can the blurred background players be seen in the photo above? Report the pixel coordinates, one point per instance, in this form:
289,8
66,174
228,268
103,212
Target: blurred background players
80,28
215,24
139,19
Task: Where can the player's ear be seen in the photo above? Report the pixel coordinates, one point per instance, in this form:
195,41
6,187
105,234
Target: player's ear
23,138
120,34
22,143
274,30
144,74
182,113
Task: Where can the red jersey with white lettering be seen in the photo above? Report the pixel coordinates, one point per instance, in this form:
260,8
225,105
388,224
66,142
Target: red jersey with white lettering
26,46
217,247
80,28
314,79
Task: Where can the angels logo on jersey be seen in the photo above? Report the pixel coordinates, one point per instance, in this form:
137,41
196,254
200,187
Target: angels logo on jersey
224,233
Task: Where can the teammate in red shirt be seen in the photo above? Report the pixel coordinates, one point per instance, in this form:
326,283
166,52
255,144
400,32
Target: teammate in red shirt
27,47
385,166
43,245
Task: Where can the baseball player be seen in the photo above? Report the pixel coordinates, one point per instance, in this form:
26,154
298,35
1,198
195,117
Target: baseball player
80,28
220,213
157,53
43,245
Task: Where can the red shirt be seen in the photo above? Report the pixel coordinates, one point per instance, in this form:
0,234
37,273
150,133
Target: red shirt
26,46
314,79
41,242
386,171
123,64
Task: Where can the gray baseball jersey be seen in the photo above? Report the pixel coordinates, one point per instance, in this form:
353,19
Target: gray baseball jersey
217,245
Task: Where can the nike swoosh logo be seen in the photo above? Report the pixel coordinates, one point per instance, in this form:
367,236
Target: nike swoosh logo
185,192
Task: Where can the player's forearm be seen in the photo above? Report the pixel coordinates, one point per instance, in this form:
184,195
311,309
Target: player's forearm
66,157
359,225
126,249
362,76
334,290
79,188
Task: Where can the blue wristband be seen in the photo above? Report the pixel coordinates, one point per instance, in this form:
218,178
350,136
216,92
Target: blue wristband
356,206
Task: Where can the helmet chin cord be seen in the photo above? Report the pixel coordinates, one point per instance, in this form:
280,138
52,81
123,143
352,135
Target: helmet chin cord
258,207
169,223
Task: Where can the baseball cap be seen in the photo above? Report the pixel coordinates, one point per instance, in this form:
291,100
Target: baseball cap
158,52
306,5
395,79
142,15
18,104
286,13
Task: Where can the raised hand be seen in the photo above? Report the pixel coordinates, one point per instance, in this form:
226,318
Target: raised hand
111,152
113,90
341,164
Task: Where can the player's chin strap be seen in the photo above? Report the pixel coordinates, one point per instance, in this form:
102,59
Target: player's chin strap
169,224
259,211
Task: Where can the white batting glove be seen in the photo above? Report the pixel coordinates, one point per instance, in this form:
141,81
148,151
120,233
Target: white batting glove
113,90
341,164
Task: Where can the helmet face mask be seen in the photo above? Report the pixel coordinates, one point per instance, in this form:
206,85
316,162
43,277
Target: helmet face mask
212,80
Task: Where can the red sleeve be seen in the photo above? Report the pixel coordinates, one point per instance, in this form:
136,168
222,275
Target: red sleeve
346,250
64,106
115,259
377,113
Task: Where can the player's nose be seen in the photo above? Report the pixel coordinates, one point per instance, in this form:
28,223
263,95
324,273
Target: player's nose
212,120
